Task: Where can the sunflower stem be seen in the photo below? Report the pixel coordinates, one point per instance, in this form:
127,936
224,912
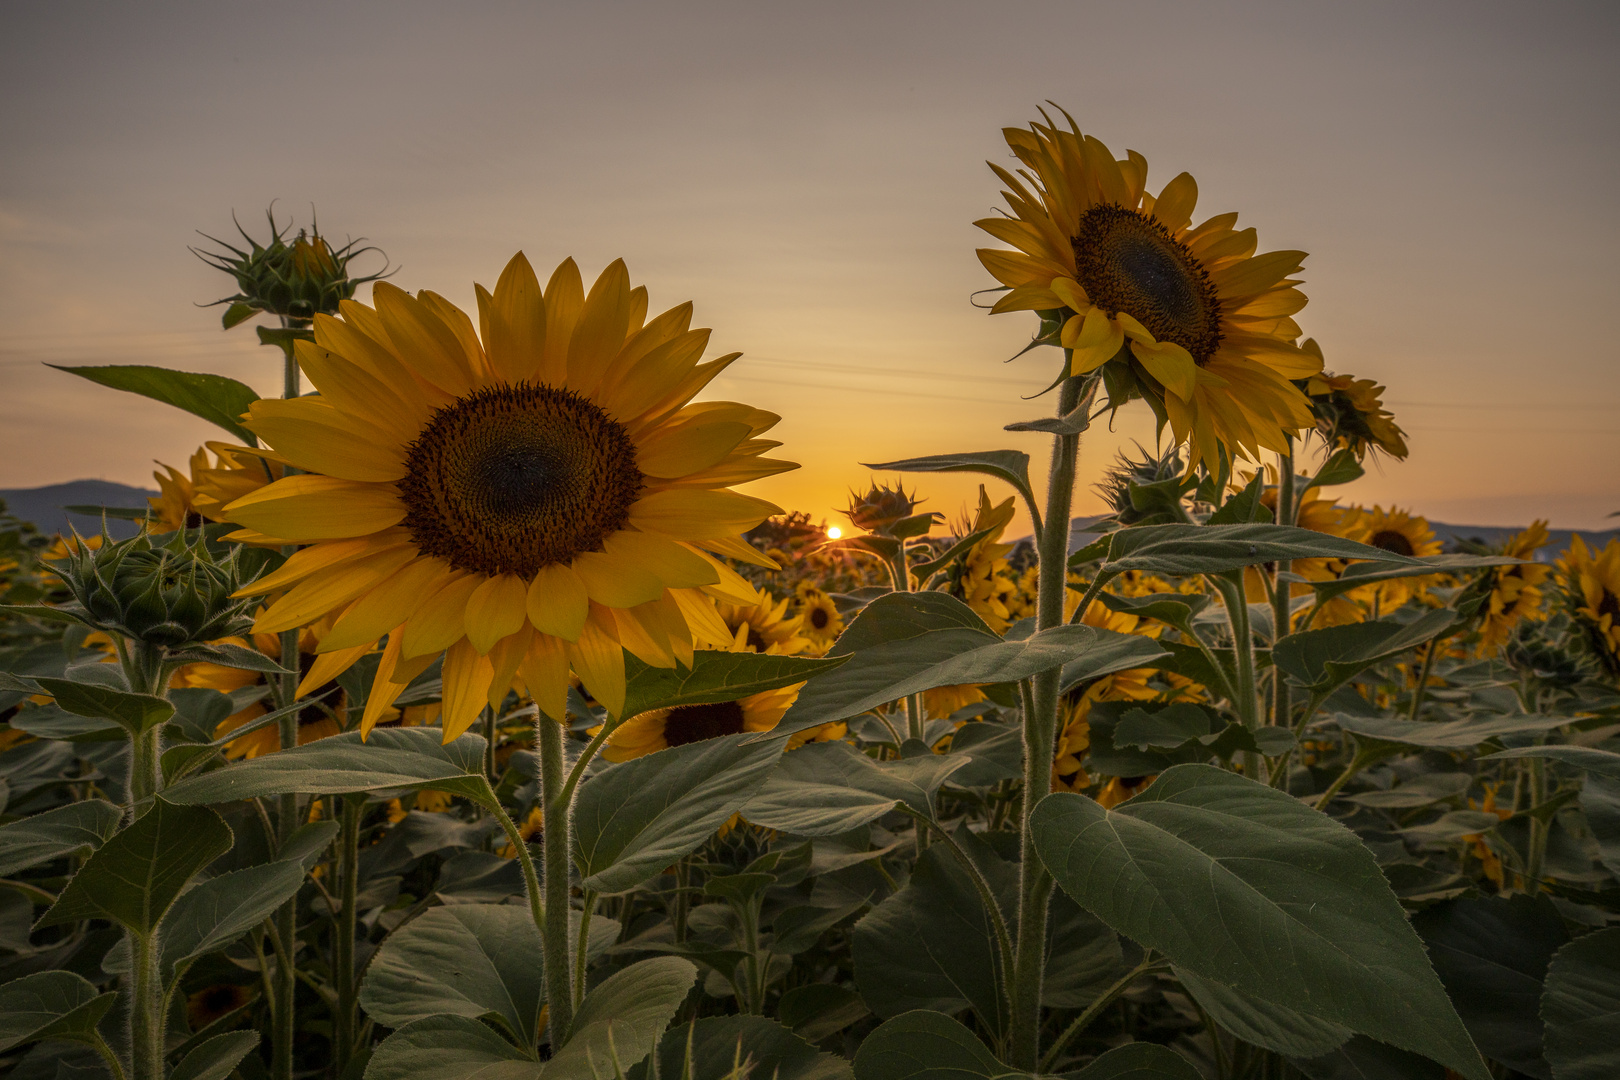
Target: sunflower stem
1540,828
146,1015
1422,686
558,813
286,917
344,930
1040,736
1281,599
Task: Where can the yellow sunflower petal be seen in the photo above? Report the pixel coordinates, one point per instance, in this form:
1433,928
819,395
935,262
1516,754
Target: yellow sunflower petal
467,675
441,620
699,514
318,508
330,665
314,436
1171,364
565,297
558,602
426,345
388,605
544,671
1097,343
495,610
603,324
689,448
312,560
599,660
384,691
321,593
1174,207
515,322
707,627
504,658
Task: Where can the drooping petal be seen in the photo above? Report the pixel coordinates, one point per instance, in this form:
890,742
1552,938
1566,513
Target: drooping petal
544,670
467,675
558,602
599,661
495,610
388,605
441,620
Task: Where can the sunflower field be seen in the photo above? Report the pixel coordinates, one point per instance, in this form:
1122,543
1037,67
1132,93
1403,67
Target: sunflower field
454,716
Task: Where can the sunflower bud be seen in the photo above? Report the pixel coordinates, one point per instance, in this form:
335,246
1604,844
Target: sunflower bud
296,281
170,596
1146,490
881,507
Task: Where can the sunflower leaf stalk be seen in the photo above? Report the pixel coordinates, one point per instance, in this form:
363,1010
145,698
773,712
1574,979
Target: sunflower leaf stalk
1040,735
555,854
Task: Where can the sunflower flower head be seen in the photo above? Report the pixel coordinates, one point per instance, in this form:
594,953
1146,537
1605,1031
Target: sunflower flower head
881,508
1189,316
1403,533
529,498
819,619
1590,583
1146,488
1350,413
1513,593
976,576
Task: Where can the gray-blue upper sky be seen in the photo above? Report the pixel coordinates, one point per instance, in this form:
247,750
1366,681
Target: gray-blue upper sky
808,174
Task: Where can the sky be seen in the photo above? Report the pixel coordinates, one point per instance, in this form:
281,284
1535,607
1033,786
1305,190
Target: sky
808,176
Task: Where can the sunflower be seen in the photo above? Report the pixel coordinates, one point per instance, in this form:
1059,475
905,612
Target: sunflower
318,718
819,617
1350,414
214,1002
191,499
763,626
974,578
1068,765
534,498
664,728
943,701
1515,590
1404,534
1203,324
1591,583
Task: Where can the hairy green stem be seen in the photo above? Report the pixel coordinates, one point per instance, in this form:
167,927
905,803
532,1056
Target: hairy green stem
1094,1010
1364,757
1540,828
582,949
344,930
557,808
1422,686
1040,736
286,916
146,1015
1281,599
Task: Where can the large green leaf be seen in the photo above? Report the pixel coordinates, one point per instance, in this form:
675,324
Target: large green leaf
1449,734
133,878
1320,660
634,819
68,830
1581,1007
1357,575
924,1045
622,1017
216,912
1492,952
905,643
391,758
215,398
134,713
1009,465
50,1005
449,1047
1264,1023
932,945
771,1051
1212,549
1590,758
714,676
1246,886
825,789
216,1058
1600,803
468,960
1368,1059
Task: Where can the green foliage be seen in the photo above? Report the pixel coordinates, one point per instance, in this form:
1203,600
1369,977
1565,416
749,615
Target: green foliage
215,398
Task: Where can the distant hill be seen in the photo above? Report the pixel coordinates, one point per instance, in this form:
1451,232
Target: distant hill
44,505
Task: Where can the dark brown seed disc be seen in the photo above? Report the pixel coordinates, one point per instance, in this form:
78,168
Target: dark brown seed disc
510,479
1391,540
694,723
1129,262
819,618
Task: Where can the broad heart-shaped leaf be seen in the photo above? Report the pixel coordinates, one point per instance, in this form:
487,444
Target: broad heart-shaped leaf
67,830
1368,1059
634,819
1177,609
215,398
468,960
1009,465
932,945
1212,549
1492,952
1600,803
134,713
924,1045
1453,734
623,1017
773,1050
133,878
1264,1023
231,656
1321,660
714,676
50,1005
447,1047
1581,1008
216,912
1138,1061
825,789
1358,574
216,1058
340,764
904,643
1245,885
1590,758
